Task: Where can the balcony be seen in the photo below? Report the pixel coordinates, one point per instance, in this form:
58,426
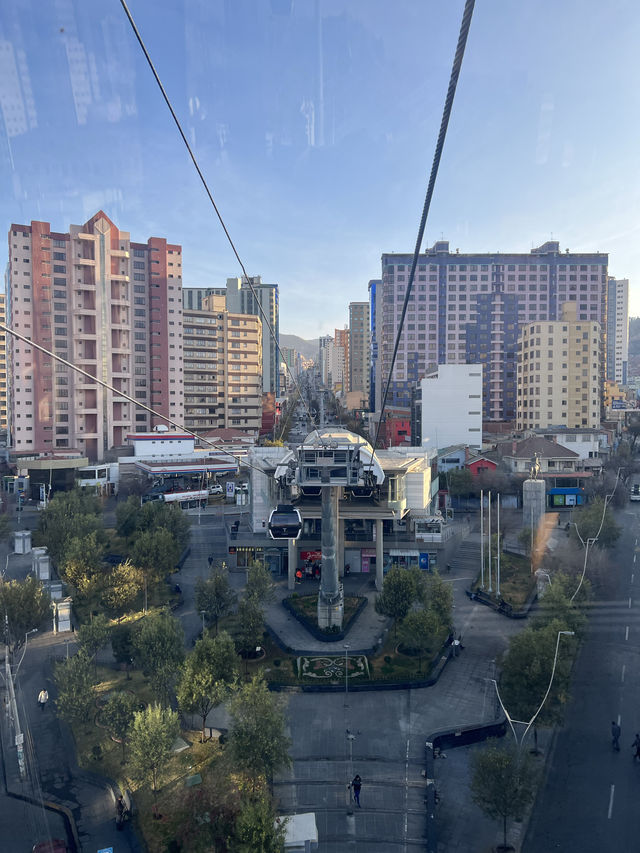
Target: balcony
119,253
84,262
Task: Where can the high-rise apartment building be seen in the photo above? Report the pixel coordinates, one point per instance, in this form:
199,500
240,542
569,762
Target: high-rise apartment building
242,299
222,368
451,402
325,342
3,367
559,372
374,375
339,355
359,348
469,308
106,304
617,329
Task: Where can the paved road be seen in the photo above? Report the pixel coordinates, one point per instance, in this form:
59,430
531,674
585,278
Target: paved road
589,802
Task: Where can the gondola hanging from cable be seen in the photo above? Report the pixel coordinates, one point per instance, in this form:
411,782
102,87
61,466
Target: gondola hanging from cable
285,522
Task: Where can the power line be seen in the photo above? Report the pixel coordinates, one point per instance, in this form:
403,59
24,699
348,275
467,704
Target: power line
453,82
203,180
118,392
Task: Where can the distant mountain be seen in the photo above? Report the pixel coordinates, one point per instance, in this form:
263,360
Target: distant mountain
308,349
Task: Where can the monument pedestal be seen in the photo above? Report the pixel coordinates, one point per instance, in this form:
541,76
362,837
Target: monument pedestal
331,609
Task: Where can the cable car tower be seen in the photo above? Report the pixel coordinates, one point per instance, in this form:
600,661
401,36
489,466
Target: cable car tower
329,460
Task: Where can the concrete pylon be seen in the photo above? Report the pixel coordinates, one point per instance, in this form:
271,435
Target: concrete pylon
331,596
534,494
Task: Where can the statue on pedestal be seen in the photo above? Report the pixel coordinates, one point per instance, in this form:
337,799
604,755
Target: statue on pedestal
535,466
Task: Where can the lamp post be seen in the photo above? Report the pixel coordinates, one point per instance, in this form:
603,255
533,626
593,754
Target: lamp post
346,675
202,613
26,637
481,538
528,724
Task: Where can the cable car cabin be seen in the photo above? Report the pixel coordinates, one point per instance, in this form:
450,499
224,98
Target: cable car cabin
285,522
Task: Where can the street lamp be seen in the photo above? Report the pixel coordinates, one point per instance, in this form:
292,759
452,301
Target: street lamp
346,675
528,725
26,636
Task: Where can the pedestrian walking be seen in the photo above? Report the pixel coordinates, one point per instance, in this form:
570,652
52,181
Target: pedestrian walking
636,745
210,560
43,698
356,785
615,736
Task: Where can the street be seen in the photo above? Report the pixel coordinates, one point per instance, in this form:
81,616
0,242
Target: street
589,801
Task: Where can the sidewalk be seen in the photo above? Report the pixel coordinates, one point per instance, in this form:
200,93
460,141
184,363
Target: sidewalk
52,775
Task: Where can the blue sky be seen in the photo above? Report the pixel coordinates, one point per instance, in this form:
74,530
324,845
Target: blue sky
315,121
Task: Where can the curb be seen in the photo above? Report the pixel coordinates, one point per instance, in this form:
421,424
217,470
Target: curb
315,632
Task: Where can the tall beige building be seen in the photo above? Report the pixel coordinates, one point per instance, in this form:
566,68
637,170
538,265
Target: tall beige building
359,348
108,305
222,368
559,373
3,367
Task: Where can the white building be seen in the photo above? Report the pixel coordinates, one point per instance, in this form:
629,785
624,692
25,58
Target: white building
452,406
618,329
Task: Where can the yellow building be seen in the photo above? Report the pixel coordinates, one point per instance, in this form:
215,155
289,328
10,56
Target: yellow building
612,393
559,373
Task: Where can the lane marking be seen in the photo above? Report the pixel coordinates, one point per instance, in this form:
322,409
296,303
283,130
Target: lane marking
406,792
626,633
623,669
634,557
618,719
613,787
629,601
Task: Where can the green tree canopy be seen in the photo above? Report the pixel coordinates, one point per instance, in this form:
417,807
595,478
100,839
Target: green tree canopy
420,631
69,515
503,782
123,586
151,740
258,829
207,676
589,521
554,605
82,560
131,519
215,595
26,605
399,592
250,626
74,680
260,584
438,597
156,552
117,715
94,635
258,740
526,672
122,643
159,648
459,482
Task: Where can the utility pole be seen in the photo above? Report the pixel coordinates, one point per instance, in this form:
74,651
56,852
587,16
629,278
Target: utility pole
12,708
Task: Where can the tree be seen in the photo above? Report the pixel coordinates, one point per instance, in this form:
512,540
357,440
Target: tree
122,644
159,647
117,715
555,604
419,630
156,552
151,740
215,595
124,585
250,626
526,672
258,741
398,595
94,635
155,515
6,528
260,584
26,604
503,782
438,598
207,676
127,516
589,521
81,560
459,482
258,828
69,515
74,680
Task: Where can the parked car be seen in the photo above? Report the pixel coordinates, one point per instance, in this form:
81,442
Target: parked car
242,487
216,489
54,845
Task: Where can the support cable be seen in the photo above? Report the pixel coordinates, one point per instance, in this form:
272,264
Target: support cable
453,82
246,276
